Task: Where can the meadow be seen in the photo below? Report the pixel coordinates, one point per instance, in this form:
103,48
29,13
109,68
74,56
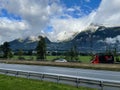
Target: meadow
16,83
82,59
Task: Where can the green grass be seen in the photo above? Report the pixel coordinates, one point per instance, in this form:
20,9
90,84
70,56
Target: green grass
26,57
83,59
52,57
15,83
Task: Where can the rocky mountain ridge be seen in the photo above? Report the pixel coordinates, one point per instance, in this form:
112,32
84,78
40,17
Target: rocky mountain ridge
94,38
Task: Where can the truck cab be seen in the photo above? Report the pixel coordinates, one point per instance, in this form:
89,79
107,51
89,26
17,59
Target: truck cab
103,58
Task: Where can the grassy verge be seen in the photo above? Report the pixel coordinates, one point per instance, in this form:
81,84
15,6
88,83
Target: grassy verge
14,83
112,67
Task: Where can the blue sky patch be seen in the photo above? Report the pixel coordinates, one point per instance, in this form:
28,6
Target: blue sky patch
85,7
48,29
5,13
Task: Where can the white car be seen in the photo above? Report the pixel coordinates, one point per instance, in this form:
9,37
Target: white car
61,60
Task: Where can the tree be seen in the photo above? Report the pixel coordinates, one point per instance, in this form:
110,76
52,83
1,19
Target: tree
115,52
20,54
72,55
6,50
41,48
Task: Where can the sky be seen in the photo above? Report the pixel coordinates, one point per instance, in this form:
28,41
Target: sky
56,19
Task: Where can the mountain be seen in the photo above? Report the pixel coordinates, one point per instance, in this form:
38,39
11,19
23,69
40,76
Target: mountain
98,39
95,38
25,44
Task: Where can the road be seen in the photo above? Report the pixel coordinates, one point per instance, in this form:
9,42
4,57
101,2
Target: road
97,74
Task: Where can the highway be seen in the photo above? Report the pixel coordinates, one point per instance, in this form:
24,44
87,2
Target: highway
99,74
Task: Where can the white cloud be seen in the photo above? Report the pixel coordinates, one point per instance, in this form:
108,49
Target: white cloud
35,15
7,24
65,28
112,40
11,29
108,13
38,14
33,38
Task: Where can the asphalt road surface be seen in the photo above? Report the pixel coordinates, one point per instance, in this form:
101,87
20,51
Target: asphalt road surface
97,74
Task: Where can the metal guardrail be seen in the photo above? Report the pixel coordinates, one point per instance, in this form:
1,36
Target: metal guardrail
60,77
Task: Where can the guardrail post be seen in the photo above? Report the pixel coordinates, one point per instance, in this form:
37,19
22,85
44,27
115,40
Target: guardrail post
28,75
101,85
6,72
16,73
58,78
42,76
77,82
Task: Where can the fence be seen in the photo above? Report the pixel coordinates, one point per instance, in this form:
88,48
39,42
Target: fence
60,78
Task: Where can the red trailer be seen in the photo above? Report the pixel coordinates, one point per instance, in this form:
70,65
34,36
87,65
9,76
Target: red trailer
102,58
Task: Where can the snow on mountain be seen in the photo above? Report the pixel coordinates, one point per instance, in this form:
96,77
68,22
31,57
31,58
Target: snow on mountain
94,36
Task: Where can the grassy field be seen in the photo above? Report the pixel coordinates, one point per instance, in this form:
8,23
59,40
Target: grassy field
26,57
83,59
15,83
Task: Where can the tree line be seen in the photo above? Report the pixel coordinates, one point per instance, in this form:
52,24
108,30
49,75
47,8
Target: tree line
6,51
71,55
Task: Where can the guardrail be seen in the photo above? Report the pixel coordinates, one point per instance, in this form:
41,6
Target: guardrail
60,77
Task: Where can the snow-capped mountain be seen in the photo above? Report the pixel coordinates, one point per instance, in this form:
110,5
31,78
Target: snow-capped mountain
95,37
101,38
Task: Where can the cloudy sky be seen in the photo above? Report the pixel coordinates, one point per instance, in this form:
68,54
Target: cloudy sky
56,19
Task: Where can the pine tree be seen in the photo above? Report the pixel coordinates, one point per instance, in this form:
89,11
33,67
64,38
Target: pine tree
41,48
6,50
73,53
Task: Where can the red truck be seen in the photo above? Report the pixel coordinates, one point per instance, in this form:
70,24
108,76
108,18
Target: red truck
103,58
